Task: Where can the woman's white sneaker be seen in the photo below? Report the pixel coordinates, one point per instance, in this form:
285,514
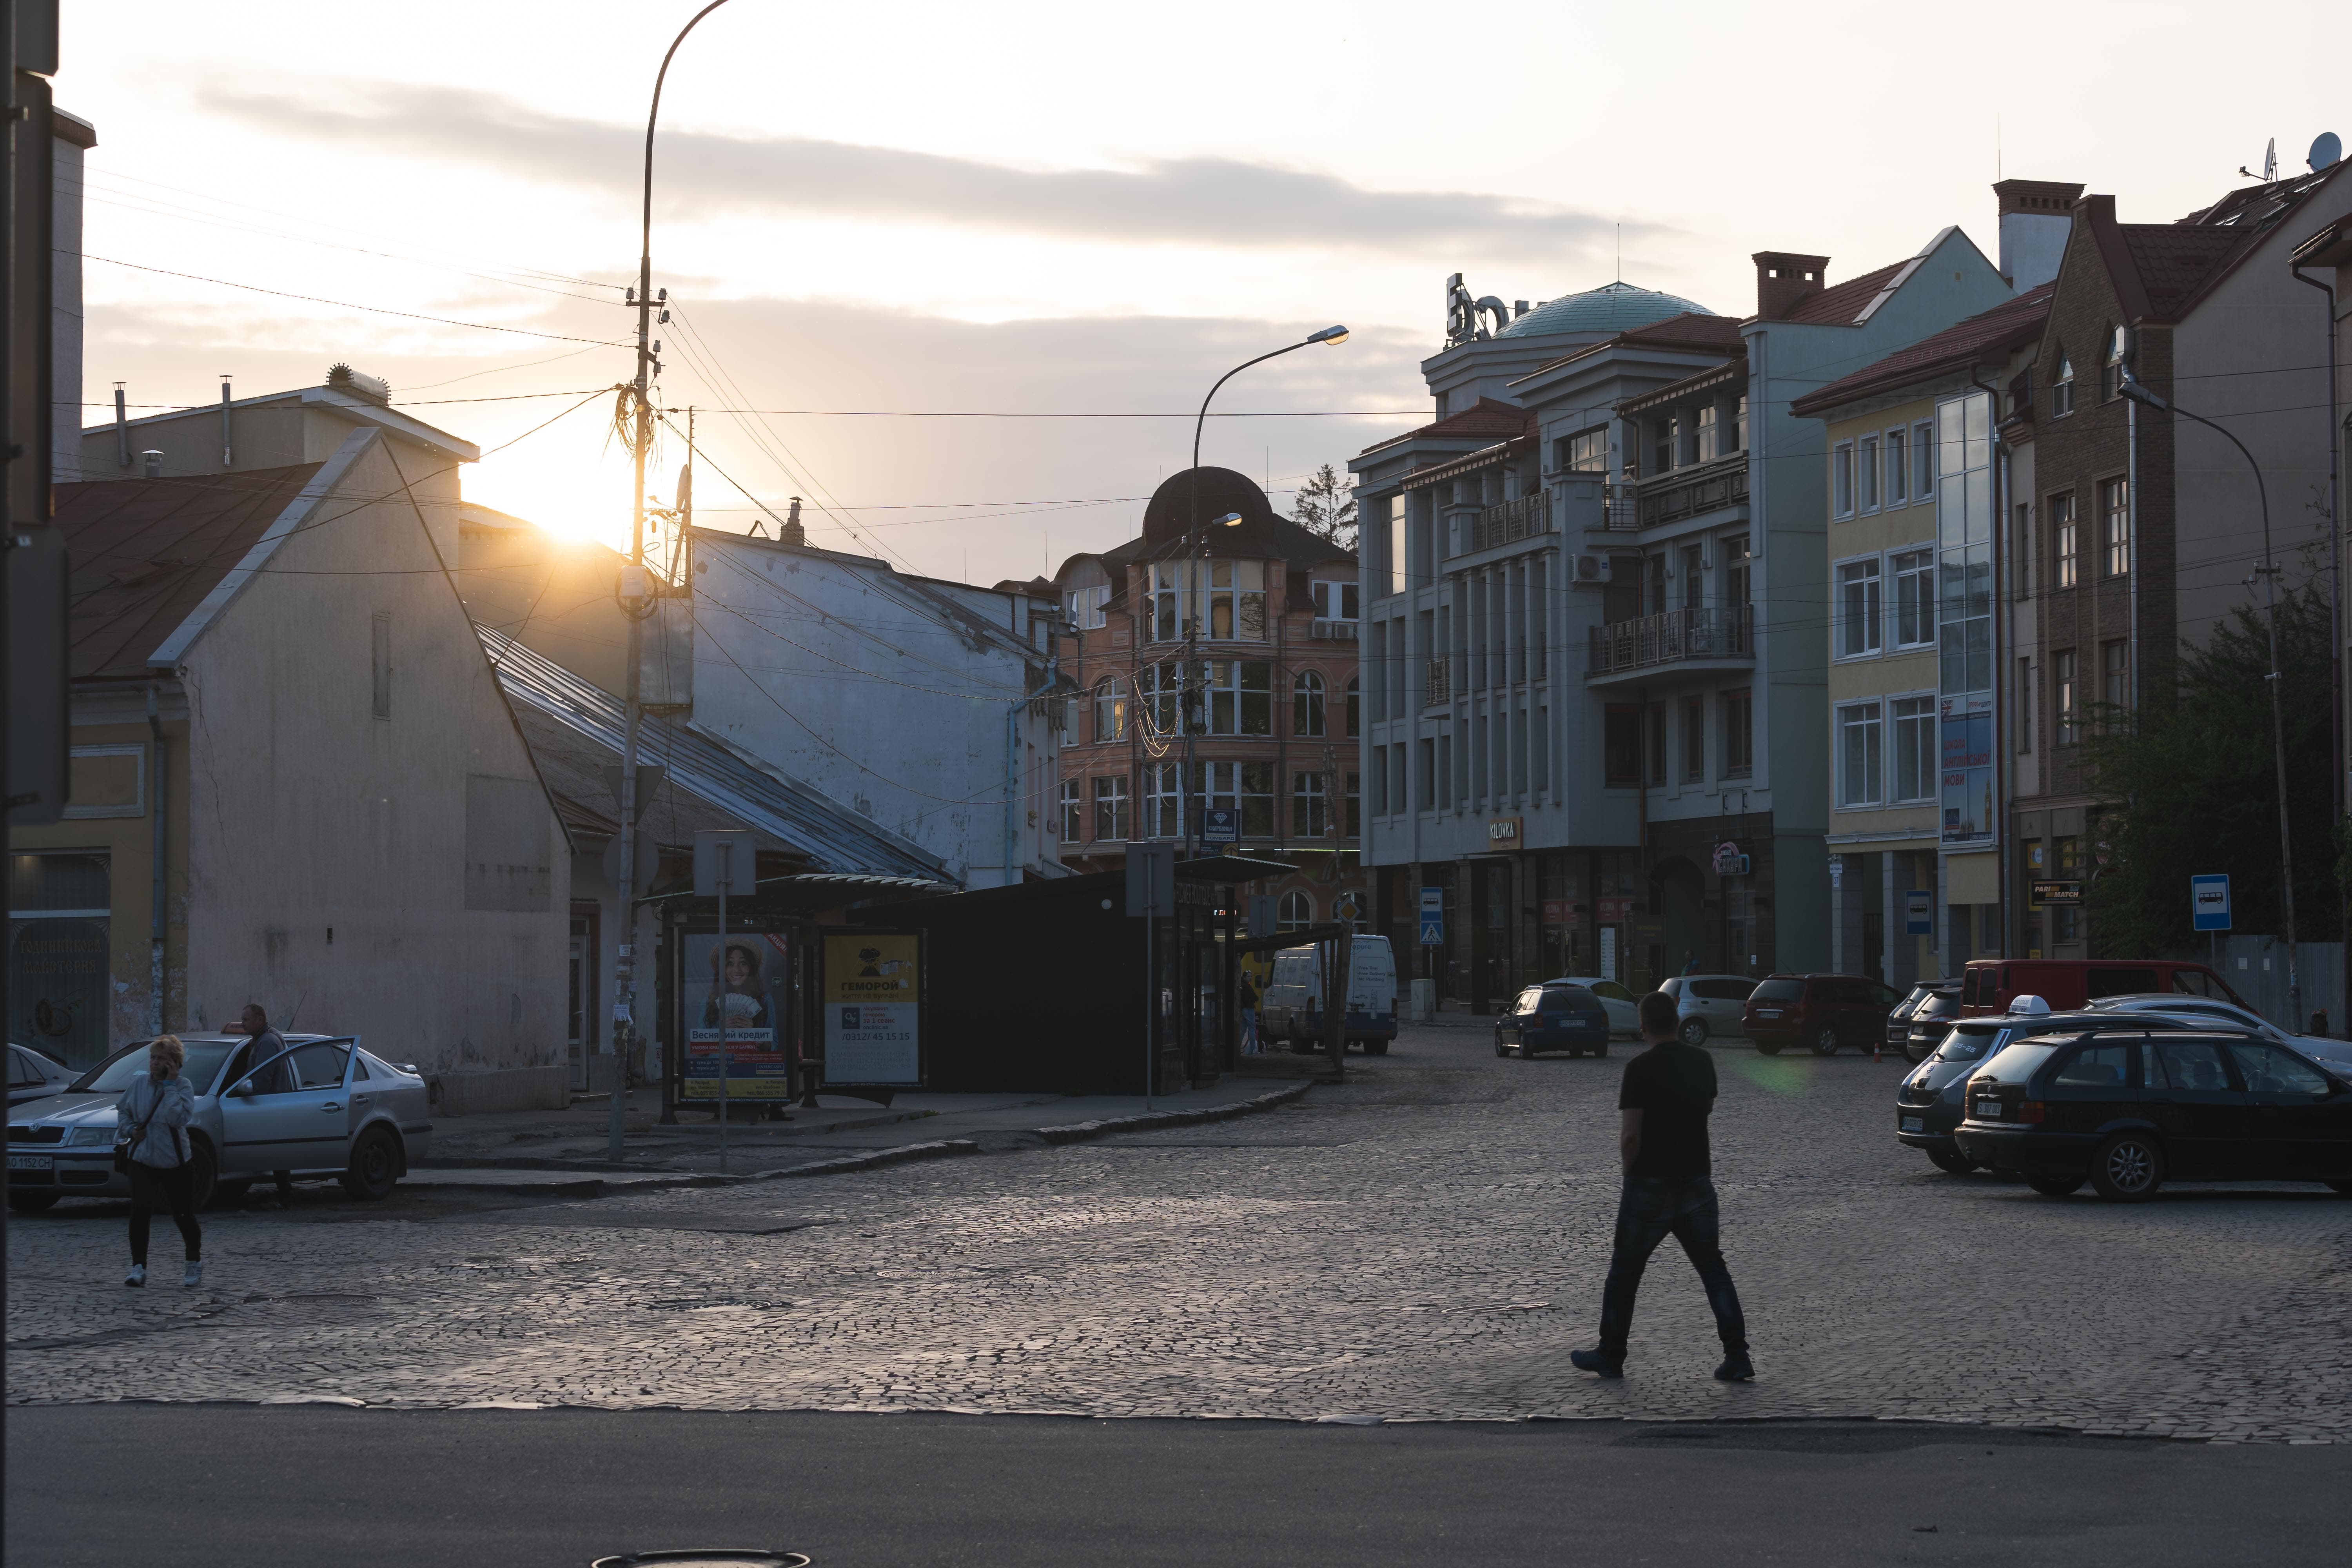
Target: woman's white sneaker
138,1274
193,1274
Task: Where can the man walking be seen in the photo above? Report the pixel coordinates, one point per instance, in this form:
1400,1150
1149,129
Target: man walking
1662,1106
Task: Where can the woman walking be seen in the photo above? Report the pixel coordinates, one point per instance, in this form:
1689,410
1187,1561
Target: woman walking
152,1115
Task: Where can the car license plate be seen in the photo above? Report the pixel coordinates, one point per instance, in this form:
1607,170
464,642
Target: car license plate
31,1163
1988,1108
1914,1123
1768,1012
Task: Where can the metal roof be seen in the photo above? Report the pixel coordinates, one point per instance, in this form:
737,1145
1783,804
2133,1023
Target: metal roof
1611,308
834,837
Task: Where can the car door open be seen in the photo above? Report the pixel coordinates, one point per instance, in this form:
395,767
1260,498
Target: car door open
291,1113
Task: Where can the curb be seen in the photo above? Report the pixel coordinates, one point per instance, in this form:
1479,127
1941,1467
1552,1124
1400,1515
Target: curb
899,1156
1079,1132
558,1185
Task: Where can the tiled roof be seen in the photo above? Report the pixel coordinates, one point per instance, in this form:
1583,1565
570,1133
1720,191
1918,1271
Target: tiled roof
1488,419
2173,260
1838,306
2005,325
140,555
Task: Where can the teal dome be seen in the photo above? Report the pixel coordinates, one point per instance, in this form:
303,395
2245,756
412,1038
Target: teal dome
1611,308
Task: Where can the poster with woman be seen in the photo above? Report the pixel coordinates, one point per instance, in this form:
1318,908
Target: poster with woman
737,1001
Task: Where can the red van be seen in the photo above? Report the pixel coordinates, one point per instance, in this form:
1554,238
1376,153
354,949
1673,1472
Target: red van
1991,985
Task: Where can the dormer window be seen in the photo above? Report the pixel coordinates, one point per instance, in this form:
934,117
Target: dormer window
2111,374
2062,389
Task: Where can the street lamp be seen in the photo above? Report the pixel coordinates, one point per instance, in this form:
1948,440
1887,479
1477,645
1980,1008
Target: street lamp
638,604
1333,335
2268,569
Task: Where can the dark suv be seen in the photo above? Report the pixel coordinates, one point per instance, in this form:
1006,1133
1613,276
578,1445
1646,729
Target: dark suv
1932,1100
1822,1011
2128,1112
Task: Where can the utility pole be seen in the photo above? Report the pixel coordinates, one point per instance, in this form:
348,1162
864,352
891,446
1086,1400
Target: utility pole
638,601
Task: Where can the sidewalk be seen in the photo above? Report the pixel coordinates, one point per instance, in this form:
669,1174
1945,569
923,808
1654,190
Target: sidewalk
562,1151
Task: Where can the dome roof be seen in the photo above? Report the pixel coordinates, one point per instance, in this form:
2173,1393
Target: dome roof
1221,492
1611,308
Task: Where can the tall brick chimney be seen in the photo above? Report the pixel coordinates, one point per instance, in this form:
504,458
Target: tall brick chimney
1784,281
2036,215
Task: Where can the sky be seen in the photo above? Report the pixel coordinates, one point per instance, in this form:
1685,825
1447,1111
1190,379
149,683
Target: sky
902,244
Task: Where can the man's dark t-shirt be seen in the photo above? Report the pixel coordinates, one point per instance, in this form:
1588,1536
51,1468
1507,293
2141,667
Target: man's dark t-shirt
1672,1085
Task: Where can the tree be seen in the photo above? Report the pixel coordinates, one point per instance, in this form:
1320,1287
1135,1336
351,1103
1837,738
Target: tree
2192,787
1325,508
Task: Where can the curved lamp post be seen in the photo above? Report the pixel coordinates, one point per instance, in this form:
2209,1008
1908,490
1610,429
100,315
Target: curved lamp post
1193,605
2138,392
636,597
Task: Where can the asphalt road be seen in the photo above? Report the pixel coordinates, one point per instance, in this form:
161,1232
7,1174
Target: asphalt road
196,1487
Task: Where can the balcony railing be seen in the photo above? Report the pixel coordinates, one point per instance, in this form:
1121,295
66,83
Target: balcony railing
1507,522
1621,511
1332,630
1673,638
1668,498
1437,686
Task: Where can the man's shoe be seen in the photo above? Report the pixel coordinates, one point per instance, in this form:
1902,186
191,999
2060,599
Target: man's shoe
1736,1368
137,1276
1601,1362
193,1274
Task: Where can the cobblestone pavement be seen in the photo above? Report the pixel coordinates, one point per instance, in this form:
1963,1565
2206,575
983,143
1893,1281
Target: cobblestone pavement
1425,1242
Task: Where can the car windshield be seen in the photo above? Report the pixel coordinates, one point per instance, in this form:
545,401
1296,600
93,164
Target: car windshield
114,1074
1530,1000
1970,1043
2020,1062
1778,991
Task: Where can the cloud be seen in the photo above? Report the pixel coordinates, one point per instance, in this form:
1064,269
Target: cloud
1191,200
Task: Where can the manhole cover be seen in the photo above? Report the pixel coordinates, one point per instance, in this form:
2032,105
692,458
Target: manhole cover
706,1557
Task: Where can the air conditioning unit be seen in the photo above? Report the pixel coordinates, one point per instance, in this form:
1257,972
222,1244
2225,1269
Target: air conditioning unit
1584,568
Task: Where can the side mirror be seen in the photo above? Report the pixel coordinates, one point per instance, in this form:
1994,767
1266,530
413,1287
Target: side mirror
244,1090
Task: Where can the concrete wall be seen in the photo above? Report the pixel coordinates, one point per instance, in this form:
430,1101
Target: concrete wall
332,851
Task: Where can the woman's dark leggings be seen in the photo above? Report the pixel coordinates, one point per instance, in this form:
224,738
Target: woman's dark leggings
151,1189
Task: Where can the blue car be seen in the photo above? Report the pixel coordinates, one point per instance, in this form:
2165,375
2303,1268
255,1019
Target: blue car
1554,1018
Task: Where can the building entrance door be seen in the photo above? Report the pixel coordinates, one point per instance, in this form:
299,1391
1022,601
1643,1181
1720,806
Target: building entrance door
60,908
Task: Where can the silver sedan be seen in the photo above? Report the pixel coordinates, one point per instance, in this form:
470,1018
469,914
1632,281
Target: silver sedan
321,1107
2208,1011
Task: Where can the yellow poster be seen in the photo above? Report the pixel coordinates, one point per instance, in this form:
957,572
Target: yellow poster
872,1000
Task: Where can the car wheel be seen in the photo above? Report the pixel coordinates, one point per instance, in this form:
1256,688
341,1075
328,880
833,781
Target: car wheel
1825,1044
1500,1049
2128,1168
2056,1186
32,1202
1769,1048
374,1169
1951,1163
1694,1031
204,1175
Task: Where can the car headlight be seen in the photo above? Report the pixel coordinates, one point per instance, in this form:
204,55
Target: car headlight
84,1137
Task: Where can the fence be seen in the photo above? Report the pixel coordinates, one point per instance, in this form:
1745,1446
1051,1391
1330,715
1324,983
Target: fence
2255,967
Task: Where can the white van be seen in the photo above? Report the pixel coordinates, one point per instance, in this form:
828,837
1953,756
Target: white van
1291,1010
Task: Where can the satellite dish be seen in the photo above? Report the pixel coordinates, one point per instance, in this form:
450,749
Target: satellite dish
2270,161
2326,149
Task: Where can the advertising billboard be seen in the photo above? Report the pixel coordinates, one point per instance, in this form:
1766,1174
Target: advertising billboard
737,1003
872,1008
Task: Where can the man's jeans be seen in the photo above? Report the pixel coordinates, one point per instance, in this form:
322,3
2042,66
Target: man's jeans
1249,1031
1651,1208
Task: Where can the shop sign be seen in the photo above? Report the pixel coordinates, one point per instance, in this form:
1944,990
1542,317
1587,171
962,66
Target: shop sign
1559,913
1613,911
2057,893
737,999
1503,832
873,1008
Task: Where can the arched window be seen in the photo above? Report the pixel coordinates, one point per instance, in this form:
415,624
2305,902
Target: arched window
1355,704
1110,710
1297,911
1306,704
2061,388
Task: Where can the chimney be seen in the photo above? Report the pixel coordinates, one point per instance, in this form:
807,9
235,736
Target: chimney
1785,281
2036,215
793,532
154,458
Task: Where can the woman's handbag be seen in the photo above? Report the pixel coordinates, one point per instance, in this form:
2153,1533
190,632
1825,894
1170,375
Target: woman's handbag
123,1146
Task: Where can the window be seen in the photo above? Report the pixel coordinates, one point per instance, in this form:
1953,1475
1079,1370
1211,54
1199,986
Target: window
1353,827
2062,675
1711,434
1653,574
1244,787
1588,451
1163,785
2022,549
2191,1065
1739,734
2115,527
1234,592
2065,544
1072,817
2115,673
2061,388
1842,480
1309,814
1237,697
1866,473
1859,743
1694,571
2095,1067
1621,746
1735,571
1333,601
1858,608
1427,792
1087,609
1896,490
1667,434
1739,424
1162,698
1110,808
2111,373
1694,738
1397,583
380,658
2025,704
1110,708
1914,748
2269,1070
1923,459
1297,911
1306,704
1657,735
1355,706
1915,598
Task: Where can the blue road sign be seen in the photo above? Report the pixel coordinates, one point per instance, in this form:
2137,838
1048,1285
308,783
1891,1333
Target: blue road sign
1221,825
1433,917
1919,912
2208,903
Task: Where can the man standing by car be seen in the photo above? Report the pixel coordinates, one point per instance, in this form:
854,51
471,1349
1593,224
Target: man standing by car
265,1044
1663,1102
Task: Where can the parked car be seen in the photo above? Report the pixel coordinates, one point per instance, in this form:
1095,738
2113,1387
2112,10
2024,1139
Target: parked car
1918,1026
1822,1011
1553,1017
2129,1114
2211,1012
1987,986
1290,1010
1625,1010
35,1075
1708,1003
321,1107
1931,1102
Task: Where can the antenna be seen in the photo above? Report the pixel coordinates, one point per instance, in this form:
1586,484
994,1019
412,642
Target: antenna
1996,147
2326,149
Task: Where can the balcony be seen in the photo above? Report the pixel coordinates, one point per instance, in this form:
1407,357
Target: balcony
1672,497
1704,638
1437,686
1507,522
1332,631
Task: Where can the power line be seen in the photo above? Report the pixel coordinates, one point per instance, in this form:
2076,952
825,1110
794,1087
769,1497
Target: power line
347,305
